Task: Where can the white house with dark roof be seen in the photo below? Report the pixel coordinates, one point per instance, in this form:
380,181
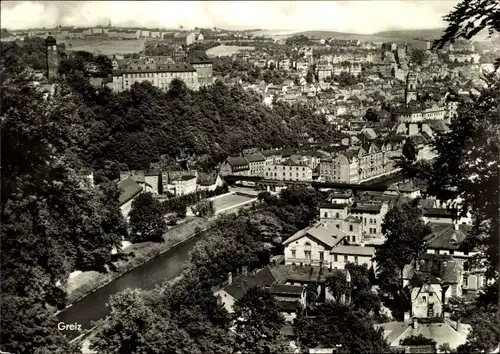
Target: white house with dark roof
256,164
312,245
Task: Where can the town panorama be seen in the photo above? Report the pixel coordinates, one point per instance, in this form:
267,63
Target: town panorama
192,178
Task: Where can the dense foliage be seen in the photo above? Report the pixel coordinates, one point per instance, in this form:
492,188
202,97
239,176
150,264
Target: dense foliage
53,222
258,323
146,219
346,328
404,230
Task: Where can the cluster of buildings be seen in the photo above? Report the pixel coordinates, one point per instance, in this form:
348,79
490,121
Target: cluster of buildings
98,33
349,231
163,182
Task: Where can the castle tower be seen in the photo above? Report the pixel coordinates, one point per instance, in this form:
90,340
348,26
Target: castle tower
411,87
52,57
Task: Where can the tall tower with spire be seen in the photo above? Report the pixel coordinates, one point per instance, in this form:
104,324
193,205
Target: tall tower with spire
411,87
109,23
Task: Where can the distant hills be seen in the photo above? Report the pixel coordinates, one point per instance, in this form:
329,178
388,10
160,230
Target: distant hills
394,36
397,36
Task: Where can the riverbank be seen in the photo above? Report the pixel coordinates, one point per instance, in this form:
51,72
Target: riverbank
85,283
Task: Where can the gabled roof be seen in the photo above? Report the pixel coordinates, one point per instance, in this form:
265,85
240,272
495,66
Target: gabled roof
240,285
354,250
324,233
129,189
255,157
286,273
446,237
237,161
370,208
333,206
286,289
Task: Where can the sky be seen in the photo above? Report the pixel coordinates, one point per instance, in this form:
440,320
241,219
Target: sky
368,16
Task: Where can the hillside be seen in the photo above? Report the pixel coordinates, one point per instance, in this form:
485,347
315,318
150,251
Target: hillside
426,34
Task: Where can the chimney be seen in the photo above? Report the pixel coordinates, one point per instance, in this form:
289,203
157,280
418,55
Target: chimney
229,278
415,323
244,270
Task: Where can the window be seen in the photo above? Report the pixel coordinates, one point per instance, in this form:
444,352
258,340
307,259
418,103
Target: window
338,226
424,298
326,215
293,254
353,238
356,259
466,281
322,256
351,228
307,254
346,259
337,215
335,258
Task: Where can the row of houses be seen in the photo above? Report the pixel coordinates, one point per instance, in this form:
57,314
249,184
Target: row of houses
346,165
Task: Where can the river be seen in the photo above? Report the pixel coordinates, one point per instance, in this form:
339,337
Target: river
92,307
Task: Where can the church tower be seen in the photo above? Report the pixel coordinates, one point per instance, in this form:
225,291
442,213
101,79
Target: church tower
52,57
411,87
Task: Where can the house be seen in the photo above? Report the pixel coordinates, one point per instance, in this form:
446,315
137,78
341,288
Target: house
235,165
186,38
341,255
371,216
209,182
129,189
256,163
443,216
288,171
450,240
183,185
237,288
338,215
427,297
290,298
272,156
152,181
311,246
446,331
311,277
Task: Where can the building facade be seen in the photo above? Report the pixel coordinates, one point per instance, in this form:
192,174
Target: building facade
160,75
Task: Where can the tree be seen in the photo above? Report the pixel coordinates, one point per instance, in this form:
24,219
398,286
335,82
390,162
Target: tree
104,64
258,322
204,208
28,328
418,56
418,340
146,219
338,285
485,334
404,230
340,326
134,327
468,18
410,151
53,222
